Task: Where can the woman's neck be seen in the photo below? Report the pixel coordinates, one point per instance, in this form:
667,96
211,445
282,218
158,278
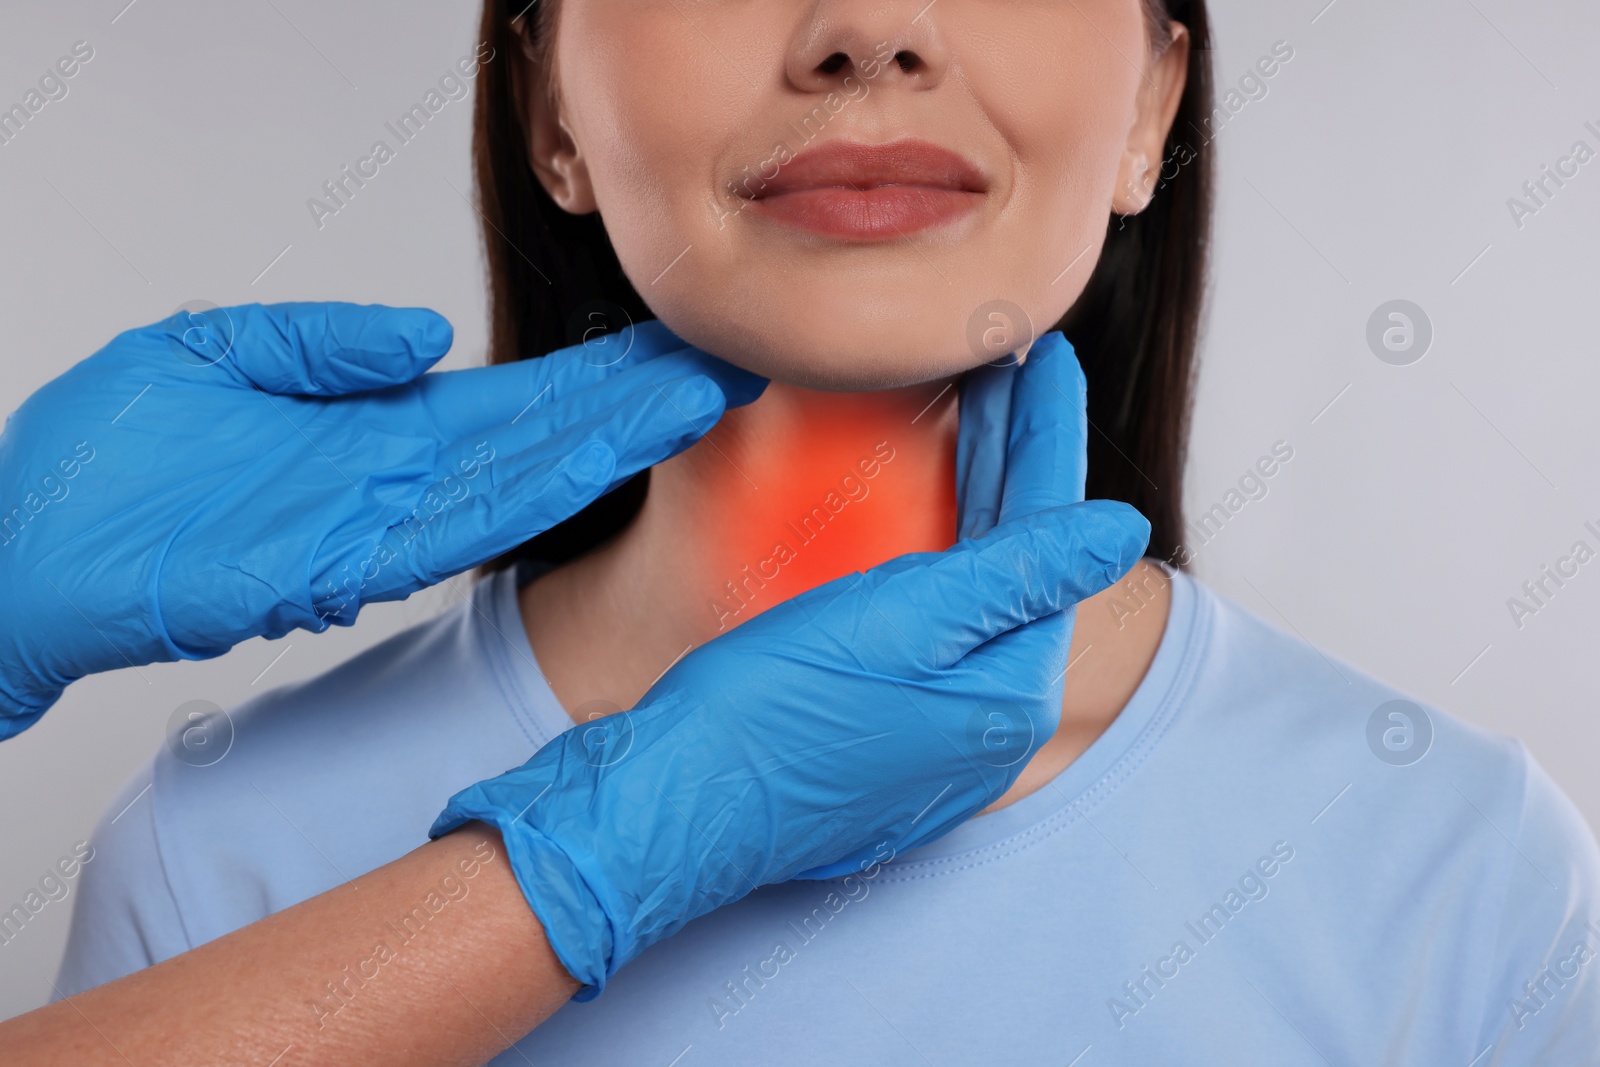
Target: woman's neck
781,496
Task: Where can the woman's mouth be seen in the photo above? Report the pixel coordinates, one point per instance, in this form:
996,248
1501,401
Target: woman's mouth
860,192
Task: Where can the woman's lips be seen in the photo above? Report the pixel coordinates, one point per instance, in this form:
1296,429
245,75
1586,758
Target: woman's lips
867,192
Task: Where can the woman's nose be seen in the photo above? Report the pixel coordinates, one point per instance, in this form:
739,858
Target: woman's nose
881,41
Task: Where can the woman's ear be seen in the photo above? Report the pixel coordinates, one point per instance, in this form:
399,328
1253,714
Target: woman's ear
1159,96
553,153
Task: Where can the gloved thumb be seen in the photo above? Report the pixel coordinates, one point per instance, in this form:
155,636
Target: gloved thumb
949,603
328,349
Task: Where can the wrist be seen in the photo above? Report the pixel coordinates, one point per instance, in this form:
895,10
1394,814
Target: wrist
576,926
508,930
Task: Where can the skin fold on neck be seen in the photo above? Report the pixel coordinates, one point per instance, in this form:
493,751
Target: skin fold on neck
781,496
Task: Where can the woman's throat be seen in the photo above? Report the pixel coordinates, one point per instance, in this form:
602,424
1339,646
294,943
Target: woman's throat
782,495
803,487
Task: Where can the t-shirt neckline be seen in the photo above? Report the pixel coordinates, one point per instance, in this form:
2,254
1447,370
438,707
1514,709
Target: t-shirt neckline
1113,757
1110,760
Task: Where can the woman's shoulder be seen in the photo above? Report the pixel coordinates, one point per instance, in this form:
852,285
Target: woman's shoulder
1425,846
1262,689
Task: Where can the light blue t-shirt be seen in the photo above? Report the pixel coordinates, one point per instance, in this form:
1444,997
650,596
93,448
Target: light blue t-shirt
1251,866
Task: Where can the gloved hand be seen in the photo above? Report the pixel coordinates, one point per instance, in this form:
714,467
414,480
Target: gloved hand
242,472
860,715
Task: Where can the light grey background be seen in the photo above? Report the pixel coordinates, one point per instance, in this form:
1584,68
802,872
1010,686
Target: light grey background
1378,166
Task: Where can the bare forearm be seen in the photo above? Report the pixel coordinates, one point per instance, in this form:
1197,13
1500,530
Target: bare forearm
433,959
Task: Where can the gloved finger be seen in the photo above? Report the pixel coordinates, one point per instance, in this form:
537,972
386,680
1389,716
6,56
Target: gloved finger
983,761
550,392
464,401
324,349
429,547
1021,571
598,359
1047,443
633,414
504,504
943,814
981,447
641,428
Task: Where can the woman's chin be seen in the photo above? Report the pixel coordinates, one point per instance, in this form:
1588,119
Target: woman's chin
852,370
850,360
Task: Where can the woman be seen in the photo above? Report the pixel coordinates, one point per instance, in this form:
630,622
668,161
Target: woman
1233,848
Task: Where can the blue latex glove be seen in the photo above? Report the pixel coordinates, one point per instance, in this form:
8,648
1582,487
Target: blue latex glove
242,472
861,719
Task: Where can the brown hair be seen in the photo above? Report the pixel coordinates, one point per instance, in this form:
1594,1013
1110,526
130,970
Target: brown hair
1135,328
